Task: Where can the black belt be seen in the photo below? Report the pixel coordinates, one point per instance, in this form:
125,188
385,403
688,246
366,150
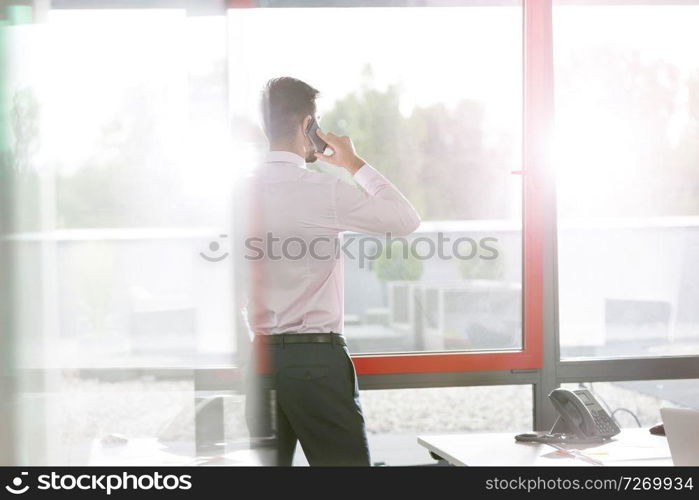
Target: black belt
302,338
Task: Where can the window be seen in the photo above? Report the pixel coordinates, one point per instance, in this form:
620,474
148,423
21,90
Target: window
449,135
116,211
121,146
627,117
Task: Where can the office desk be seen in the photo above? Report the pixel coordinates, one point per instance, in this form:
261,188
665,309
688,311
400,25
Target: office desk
632,447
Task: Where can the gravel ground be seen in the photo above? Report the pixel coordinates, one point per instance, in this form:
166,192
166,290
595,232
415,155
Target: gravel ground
448,409
85,409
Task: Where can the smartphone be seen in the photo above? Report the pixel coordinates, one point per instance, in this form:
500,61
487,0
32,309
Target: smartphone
318,143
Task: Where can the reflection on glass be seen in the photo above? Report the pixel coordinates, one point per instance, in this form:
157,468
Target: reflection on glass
627,117
126,420
119,178
447,132
121,145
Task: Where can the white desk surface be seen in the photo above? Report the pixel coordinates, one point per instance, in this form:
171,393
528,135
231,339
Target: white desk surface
632,447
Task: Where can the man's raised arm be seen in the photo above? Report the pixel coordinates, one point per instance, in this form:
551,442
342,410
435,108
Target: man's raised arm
381,209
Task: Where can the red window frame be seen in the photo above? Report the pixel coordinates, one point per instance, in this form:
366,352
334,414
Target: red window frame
537,120
538,116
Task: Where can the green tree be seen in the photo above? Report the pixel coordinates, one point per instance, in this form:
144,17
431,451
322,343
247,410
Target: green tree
436,156
397,263
20,176
372,119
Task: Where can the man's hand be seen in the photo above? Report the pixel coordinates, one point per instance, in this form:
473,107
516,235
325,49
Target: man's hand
343,154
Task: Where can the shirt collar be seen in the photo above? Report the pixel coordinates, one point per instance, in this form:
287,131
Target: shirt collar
285,157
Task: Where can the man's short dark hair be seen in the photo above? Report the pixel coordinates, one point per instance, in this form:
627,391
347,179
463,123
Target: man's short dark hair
285,102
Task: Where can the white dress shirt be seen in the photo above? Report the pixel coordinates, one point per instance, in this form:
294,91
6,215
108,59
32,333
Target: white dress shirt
293,240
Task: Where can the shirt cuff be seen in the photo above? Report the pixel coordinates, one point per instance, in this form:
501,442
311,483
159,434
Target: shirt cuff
368,178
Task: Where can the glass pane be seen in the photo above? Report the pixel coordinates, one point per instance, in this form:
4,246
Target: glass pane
119,168
638,403
446,129
627,117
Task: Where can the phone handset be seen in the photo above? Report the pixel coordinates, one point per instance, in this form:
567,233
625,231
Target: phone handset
319,144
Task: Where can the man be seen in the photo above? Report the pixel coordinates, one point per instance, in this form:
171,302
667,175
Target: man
295,304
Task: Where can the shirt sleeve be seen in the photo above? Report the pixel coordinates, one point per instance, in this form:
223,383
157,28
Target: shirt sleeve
381,208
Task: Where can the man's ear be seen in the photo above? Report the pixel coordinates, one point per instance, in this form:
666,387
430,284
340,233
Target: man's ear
304,124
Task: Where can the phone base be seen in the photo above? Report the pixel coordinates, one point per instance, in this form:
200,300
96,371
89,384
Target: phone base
559,433
549,437
560,427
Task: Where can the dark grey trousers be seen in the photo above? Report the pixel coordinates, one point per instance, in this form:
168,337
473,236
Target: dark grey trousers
310,395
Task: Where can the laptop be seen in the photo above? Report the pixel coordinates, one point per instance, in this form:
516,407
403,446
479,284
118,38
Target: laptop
682,431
